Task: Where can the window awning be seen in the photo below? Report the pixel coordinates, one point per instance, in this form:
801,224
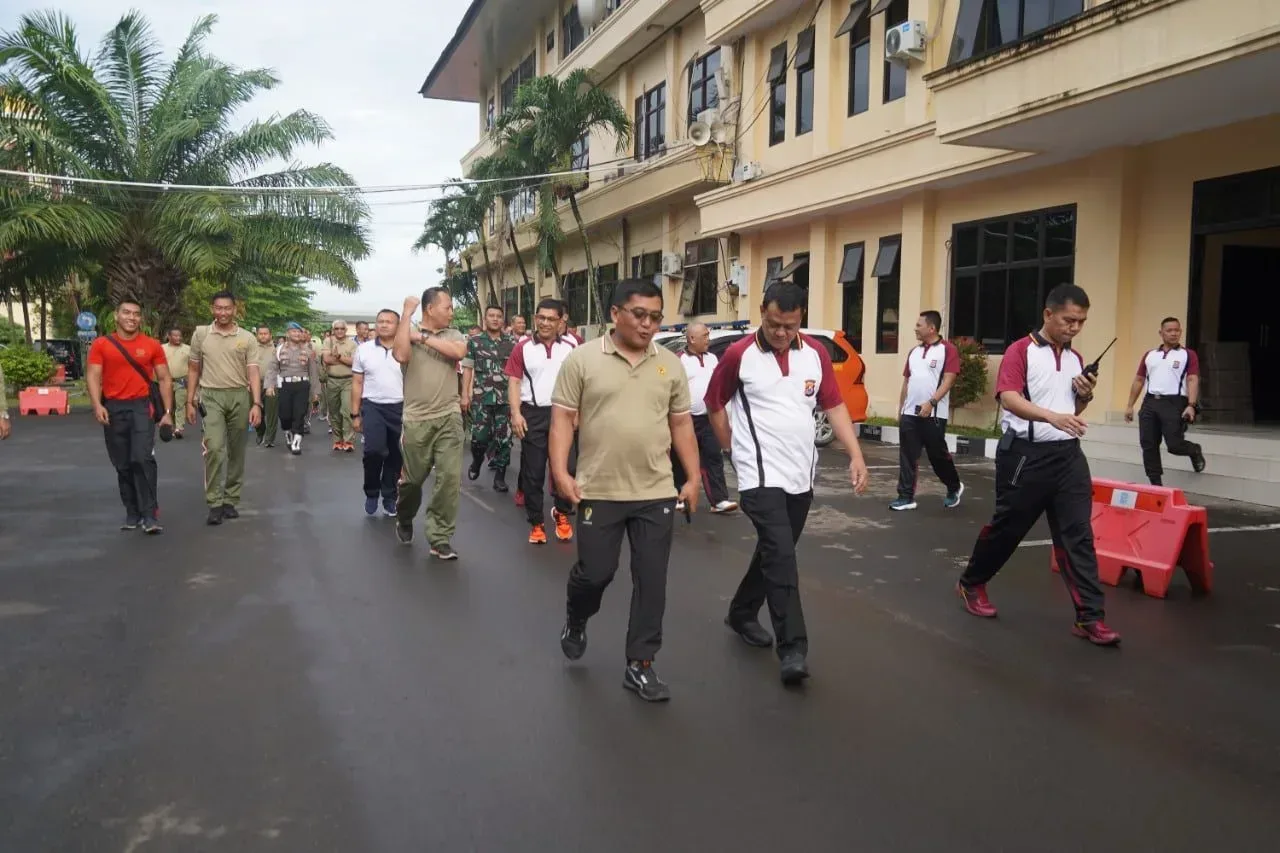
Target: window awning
851,269
804,49
787,271
857,11
778,64
881,6
887,259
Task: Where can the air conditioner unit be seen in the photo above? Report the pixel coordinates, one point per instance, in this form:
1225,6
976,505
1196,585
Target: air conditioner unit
709,117
673,264
747,172
905,42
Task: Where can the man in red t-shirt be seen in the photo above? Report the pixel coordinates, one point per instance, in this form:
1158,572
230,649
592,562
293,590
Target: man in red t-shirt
121,399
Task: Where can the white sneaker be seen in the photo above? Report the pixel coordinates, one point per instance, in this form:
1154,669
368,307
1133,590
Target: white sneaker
295,444
724,506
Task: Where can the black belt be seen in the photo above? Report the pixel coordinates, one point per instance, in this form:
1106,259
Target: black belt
1166,396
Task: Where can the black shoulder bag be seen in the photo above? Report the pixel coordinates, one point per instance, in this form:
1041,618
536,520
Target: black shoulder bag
153,387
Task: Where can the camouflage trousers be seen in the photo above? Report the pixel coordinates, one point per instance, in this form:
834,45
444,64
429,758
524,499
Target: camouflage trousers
491,435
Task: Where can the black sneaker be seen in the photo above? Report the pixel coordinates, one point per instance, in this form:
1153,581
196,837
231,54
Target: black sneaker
573,640
794,669
132,522
151,527
500,480
404,532
215,516
261,438
1197,460
641,679
444,552
229,512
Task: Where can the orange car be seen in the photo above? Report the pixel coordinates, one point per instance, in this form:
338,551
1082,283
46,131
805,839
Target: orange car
848,366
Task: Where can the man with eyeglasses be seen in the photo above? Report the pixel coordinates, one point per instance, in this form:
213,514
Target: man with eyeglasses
629,399
531,372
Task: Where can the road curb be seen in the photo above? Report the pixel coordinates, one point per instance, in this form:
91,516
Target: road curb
959,445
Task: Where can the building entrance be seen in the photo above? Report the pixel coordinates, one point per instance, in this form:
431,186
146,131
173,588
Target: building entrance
1234,312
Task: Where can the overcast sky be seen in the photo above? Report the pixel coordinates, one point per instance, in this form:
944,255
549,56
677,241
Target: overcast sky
357,64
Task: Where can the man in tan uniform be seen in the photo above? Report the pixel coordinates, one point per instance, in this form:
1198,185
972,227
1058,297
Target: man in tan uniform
266,354
177,353
431,435
339,352
224,373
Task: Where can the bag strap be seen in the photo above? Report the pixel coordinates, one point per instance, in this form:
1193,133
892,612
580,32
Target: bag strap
138,367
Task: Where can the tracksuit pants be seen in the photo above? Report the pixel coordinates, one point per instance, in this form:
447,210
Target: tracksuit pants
1161,417
382,462
773,576
917,434
1050,478
533,464
648,526
711,462
294,399
131,442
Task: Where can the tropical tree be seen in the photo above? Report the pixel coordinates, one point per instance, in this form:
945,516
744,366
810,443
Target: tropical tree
454,222
549,117
125,117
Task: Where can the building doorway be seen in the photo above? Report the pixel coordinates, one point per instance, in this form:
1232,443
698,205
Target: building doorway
1234,312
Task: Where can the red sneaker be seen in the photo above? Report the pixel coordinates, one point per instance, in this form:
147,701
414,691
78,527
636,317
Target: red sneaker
1097,633
519,498
976,601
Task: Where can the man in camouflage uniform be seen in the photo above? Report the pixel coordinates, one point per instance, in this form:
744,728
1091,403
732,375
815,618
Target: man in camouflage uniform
484,387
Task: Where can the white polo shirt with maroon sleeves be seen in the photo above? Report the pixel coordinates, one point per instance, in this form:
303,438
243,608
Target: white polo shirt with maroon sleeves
699,369
925,368
771,398
1166,370
537,365
1035,368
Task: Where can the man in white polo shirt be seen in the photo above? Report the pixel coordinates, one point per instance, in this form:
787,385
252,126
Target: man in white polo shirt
1040,468
531,377
761,402
377,411
931,370
1171,375
699,363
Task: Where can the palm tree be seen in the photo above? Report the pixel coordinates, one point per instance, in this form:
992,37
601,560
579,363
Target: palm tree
453,223
125,116
547,120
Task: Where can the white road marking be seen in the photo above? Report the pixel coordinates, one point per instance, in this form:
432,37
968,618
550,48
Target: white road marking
482,504
1248,528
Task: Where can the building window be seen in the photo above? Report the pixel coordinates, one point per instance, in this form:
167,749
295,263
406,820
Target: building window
647,265
983,26
580,153
551,41
859,30
651,122
1002,269
703,94
772,267
700,294
575,294
804,82
895,73
493,217
888,291
523,205
850,280
778,94
800,269
522,74
489,115
573,34
511,302
606,278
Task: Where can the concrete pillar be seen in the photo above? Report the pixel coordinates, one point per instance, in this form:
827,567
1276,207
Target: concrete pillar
822,274
826,83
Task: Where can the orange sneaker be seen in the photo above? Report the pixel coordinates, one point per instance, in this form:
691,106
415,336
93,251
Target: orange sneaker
564,530
538,535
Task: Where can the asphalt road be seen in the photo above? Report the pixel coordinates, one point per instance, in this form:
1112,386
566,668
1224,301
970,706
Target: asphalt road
295,681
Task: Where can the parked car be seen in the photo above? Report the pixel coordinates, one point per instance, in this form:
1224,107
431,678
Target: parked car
64,351
849,369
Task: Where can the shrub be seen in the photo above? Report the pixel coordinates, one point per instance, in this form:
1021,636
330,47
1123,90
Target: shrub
25,367
971,384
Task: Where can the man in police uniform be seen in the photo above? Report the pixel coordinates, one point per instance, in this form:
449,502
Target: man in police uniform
1171,375
484,391
1040,468
339,352
224,373
266,354
925,404
176,354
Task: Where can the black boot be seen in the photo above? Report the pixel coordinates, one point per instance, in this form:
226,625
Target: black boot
500,480
477,462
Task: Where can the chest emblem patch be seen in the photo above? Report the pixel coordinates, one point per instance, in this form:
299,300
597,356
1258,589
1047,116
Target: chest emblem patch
810,387
1175,365
662,371
933,364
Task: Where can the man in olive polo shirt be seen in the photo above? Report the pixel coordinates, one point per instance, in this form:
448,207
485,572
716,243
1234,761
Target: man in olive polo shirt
431,433
339,352
223,371
631,400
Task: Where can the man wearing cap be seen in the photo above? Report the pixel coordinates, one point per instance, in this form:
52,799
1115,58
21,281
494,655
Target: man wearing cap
294,370
339,353
176,354
271,416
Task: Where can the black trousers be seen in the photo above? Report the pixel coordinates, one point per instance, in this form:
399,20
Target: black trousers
711,461
131,443
294,399
1162,418
1050,478
533,464
382,461
648,526
773,575
916,434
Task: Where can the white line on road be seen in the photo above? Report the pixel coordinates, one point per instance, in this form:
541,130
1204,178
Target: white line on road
1249,528
483,505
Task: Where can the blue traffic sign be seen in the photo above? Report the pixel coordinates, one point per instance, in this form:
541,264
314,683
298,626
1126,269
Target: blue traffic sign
86,321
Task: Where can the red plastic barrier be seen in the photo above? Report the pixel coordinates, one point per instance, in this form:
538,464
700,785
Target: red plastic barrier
60,374
44,401
1152,530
